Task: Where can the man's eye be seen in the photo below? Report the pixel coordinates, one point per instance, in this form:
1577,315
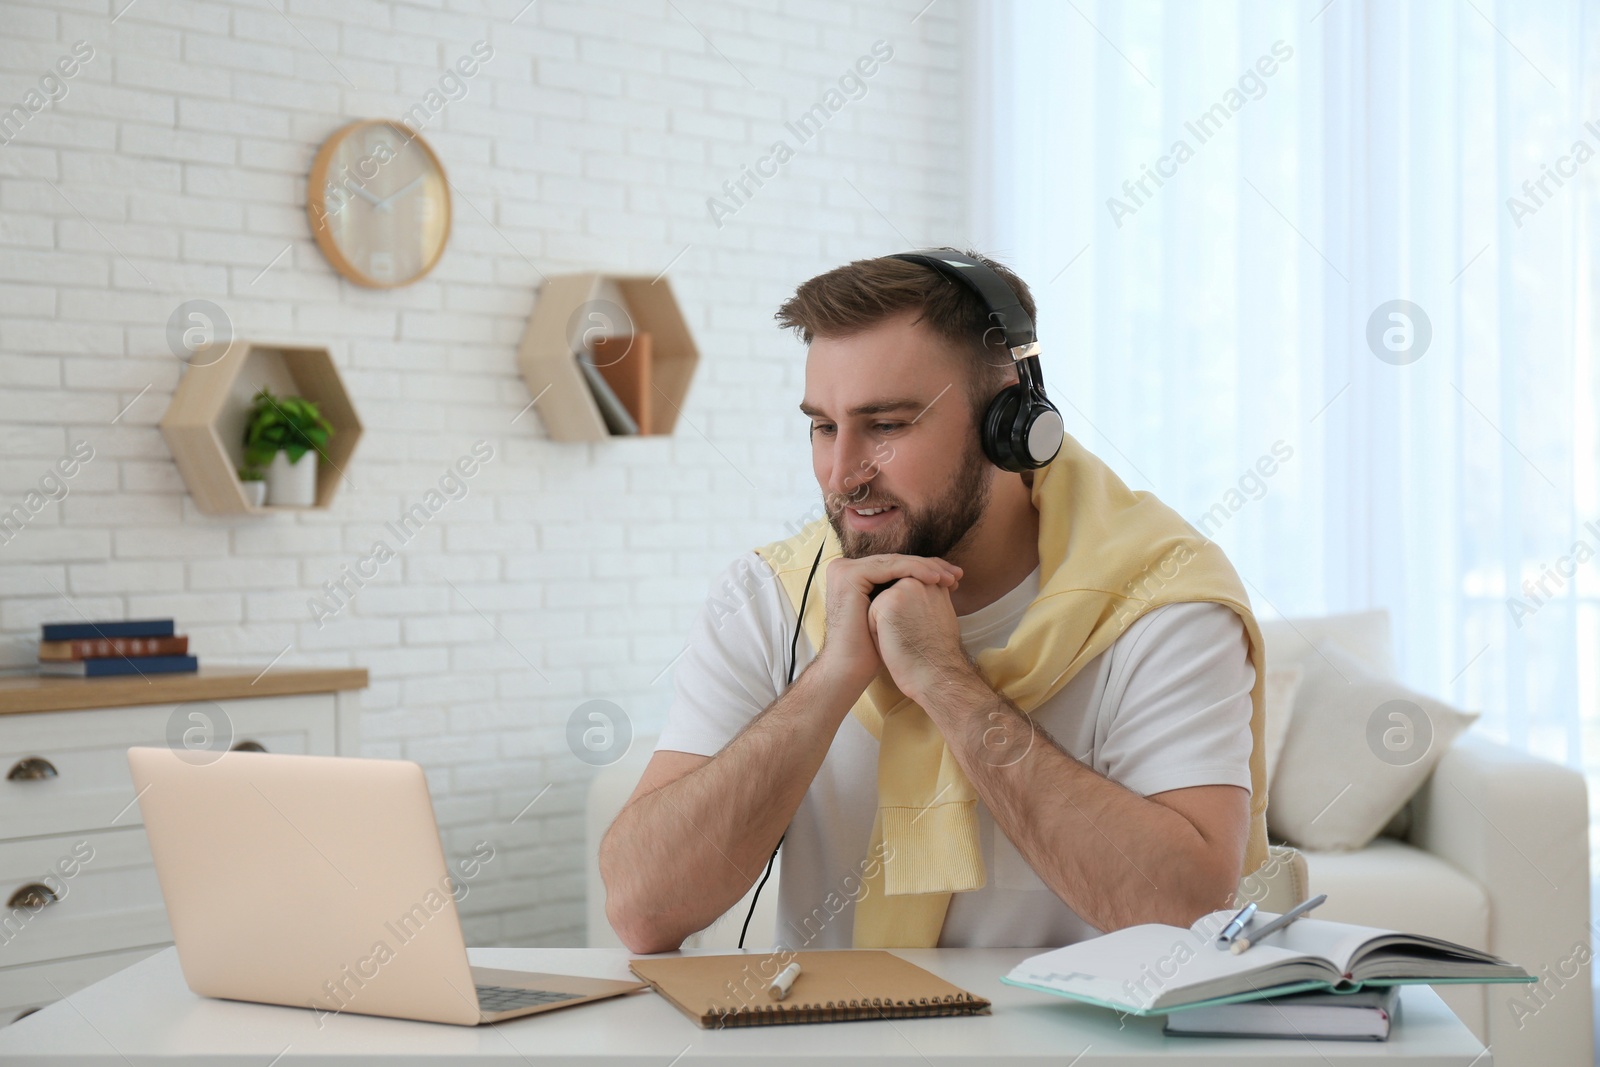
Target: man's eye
823,428
886,427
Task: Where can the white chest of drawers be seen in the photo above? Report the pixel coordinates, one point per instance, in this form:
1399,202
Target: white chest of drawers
79,898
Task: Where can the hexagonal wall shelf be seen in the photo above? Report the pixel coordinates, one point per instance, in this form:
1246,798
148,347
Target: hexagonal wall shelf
575,309
204,425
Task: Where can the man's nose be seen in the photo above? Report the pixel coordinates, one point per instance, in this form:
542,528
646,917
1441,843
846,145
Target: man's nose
852,466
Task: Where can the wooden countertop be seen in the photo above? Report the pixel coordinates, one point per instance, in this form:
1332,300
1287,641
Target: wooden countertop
31,692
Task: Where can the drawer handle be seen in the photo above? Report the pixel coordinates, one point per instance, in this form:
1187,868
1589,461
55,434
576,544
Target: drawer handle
249,746
31,769
33,896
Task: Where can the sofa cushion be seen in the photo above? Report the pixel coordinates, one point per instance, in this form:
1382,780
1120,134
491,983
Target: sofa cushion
1283,683
1363,634
1358,747
1396,886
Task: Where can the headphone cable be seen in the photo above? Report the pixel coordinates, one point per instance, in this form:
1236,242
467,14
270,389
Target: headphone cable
794,647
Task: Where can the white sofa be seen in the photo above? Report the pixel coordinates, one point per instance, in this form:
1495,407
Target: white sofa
1497,857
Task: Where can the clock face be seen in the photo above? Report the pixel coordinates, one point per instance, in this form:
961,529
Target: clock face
379,205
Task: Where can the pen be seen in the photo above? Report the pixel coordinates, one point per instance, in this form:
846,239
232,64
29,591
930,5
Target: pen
784,982
1236,925
1243,943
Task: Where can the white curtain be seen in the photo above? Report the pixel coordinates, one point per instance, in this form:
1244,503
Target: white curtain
1318,160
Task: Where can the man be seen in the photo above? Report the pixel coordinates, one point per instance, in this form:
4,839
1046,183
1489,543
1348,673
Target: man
1045,726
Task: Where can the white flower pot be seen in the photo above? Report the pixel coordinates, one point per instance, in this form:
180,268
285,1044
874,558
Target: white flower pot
255,492
292,485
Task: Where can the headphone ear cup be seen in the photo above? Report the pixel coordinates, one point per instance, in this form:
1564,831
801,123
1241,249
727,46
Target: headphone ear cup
999,426
1040,433
1021,432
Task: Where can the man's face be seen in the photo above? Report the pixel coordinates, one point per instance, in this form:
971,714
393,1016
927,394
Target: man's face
891,429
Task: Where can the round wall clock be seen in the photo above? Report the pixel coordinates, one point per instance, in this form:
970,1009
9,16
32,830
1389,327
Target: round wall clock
379,204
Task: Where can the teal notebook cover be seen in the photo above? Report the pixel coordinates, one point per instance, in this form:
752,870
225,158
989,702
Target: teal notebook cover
1257,994
1155,969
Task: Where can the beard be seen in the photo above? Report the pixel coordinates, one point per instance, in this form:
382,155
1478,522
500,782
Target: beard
933,531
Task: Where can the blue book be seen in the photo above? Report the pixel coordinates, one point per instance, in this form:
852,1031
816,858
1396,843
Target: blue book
96,668
77,631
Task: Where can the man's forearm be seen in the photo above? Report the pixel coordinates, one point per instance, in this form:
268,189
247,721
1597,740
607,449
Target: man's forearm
1116,858
677,858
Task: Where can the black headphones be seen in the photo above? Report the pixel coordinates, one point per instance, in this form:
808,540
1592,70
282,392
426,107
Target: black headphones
1021,431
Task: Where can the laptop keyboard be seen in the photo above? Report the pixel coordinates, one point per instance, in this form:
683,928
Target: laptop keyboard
493,998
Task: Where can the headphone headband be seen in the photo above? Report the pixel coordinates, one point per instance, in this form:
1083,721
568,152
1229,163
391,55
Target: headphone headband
1021,430
1000,298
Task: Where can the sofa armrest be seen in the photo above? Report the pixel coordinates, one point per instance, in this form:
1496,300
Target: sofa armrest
1519,826
1280,883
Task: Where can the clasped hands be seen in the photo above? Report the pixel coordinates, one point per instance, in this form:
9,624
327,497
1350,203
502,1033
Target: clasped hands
910,628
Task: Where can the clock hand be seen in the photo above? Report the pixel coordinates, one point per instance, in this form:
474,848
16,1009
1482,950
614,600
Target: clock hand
361,191
384,203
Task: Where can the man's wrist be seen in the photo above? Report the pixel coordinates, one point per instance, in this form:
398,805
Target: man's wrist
833,684
948,687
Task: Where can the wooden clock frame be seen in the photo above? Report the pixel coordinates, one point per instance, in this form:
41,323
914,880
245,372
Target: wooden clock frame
316,204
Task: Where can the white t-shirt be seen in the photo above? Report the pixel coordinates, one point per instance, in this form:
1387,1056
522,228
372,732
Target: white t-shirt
1167,706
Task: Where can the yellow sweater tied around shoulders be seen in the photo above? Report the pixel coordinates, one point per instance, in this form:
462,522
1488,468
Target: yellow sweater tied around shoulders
1107,555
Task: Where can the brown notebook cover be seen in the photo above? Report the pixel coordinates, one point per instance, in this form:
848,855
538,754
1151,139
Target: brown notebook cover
624,362
834,986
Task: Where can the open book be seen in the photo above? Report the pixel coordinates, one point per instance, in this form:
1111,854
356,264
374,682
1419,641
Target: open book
1155,969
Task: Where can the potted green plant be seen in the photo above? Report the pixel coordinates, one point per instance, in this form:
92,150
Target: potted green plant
255,485
285,435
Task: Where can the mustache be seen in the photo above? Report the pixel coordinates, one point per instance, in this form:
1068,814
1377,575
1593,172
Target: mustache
857,498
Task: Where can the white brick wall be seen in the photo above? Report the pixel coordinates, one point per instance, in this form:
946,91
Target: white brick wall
174,168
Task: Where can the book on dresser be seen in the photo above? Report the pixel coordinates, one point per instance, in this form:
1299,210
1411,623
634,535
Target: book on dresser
112,665
101,647
89,630
113,647
1154,969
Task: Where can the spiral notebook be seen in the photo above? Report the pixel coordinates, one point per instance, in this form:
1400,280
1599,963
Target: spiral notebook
834,986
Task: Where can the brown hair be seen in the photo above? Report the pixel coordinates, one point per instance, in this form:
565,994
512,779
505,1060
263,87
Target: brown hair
859,295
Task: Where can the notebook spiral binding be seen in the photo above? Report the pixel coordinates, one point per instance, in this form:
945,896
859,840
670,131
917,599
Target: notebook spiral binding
847,1010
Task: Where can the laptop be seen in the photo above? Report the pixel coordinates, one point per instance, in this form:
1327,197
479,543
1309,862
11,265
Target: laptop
319,882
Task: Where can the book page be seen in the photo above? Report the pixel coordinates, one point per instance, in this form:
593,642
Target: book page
1143,967
1338,943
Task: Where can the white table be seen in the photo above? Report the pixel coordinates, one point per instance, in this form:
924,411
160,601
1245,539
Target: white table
146,1015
